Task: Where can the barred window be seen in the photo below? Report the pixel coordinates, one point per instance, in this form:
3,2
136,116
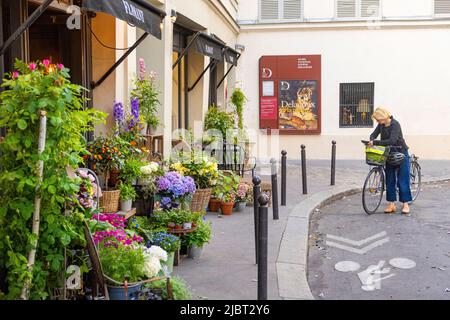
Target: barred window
280,10
356,105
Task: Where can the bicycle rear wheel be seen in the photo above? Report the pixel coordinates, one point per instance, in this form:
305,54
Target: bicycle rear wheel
373,190
415,180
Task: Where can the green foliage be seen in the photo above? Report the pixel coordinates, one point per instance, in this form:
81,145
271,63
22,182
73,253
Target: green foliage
161,219
226,187
127,192
219,120
131,170
32,91
180,288
199,237
238,99
145,90
122,263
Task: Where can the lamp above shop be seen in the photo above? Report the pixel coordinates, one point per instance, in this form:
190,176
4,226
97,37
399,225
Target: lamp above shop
239,47
173,16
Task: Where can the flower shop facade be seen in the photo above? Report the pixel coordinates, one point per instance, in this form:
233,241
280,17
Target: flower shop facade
90,216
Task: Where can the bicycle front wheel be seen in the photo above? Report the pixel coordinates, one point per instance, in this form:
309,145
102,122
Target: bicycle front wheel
415,180
373,190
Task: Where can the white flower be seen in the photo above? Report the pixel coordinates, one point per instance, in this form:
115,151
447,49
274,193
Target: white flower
150,168
157,252
152,266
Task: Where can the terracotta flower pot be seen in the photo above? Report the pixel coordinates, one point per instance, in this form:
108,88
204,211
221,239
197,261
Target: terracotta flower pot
178,227
227,208
214,205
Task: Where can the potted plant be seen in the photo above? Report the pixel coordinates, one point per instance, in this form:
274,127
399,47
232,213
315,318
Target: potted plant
106,156
241,196
131,171
169,243
227,188
174,190
145,90
147,188
218,120
127,196
197,239
204,171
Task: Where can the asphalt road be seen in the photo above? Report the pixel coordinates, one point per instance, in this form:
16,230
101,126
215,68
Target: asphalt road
410,255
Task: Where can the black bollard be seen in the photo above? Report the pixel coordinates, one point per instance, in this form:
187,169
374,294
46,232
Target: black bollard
263,201
304,178
283,177
256,192
333,163
273,163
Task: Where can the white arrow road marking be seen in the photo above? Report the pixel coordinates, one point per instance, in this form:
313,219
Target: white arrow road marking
358,251
357,243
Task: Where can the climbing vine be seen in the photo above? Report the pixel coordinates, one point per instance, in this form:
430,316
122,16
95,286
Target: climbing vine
35,87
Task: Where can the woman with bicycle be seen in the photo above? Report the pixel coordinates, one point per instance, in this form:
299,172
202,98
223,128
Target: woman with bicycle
398,164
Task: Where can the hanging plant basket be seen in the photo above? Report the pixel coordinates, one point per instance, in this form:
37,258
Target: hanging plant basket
109,202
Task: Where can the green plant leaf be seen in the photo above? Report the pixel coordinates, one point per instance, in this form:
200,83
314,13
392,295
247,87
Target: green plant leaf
22,124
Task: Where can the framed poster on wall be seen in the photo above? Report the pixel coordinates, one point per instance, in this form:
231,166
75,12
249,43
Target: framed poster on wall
290,94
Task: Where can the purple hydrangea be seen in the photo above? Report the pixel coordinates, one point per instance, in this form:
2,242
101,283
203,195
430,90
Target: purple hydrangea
190,184
165,201
163,183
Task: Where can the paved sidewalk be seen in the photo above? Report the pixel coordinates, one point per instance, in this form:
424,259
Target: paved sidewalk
227,267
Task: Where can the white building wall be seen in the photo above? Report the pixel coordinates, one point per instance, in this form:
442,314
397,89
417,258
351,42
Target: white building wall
325,9
409,66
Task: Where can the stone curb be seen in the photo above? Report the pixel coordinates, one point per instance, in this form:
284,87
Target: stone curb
292,260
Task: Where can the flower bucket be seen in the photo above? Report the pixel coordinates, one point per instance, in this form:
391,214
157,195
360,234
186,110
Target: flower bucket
109,202
195,252
118,293
126,206
227,208
170,261
200,199
214,205
240,206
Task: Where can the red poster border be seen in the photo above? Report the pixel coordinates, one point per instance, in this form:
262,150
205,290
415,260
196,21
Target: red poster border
316,75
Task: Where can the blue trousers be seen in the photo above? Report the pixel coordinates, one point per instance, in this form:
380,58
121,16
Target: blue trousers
398,177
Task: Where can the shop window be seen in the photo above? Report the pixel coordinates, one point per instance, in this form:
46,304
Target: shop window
280,10
353,9
356,105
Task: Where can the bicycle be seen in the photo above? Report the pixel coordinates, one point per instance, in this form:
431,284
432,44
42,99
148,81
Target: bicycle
374,185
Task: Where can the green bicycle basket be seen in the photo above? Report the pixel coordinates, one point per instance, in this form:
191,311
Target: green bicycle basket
376,155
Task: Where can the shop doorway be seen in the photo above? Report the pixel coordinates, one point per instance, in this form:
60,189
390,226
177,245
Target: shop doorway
50,38
180,77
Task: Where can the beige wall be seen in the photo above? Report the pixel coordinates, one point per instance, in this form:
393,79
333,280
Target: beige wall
102,59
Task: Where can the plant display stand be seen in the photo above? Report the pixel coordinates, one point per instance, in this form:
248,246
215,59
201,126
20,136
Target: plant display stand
127,214
179,233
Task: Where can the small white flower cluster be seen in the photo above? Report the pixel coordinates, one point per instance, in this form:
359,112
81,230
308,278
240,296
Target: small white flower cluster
149,169
153,257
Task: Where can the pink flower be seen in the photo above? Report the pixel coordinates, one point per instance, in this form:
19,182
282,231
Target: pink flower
60,66
15,74
46,62
142,69
32,66
153,75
